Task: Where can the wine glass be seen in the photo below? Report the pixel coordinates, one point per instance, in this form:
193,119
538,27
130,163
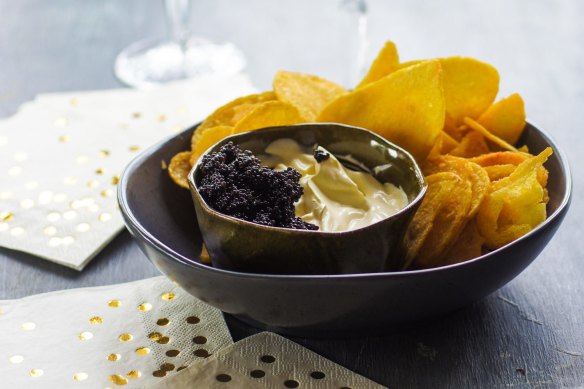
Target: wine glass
151,62
355,12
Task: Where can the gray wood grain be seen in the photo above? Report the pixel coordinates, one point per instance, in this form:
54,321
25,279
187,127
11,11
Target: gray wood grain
530,334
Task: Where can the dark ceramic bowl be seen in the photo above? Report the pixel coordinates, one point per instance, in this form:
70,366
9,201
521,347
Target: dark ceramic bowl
161,217
236,244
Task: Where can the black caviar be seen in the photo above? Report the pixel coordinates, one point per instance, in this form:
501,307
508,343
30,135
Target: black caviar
320,155
233,182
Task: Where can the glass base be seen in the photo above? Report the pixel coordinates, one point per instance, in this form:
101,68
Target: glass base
152,62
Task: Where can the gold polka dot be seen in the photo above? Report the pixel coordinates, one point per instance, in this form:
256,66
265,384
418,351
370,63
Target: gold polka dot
83,227
28,326
106,193
6,216
117,379
20,156
36,373
134,374
31,185
115,180
49,230
95,320
74,102
80,376
163,340
104,217
85,335
113,357
61,122
16,359
114,303
69,181
145,307
64,138
155,336
143,351
69,215
15,171
168,296
27,203
53,216
136,115
104,153
167,367
159,373
82,159
172,353
92,184
68,240
125,337
193,320
55,241
99,171
162,118
163,321
17,231
134,148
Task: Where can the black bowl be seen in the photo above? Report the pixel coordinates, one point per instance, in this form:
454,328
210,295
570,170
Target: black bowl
161,217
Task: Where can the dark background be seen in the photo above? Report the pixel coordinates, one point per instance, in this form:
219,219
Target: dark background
528,334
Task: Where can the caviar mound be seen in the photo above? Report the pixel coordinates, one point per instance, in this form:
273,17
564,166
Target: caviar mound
233,182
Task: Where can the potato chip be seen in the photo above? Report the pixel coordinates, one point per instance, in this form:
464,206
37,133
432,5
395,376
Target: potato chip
406,107
468,245
466,170
309,94
208,138
443,145
470,87
230,113
179,168
471,145
386,62
269,114
473,125
496,172
505,119
502,162
439,220
515,205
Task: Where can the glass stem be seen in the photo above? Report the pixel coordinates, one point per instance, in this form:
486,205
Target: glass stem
177,13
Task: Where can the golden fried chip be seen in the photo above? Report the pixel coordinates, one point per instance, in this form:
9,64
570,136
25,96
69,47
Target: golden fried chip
467,246
515,205
179,168
470,87
269,114
406,107
473,125
208,138
466,170
386,62
230,113
439,220
471,145
505,119
308,93
496,172
444,144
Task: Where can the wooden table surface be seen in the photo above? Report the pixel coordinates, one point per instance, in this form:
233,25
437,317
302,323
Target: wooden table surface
528,334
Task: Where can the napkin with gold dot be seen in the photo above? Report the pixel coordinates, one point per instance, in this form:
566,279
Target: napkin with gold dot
63,153
130,335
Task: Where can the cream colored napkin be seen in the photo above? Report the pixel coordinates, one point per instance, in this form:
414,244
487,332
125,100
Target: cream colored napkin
128,335
268,361
62,155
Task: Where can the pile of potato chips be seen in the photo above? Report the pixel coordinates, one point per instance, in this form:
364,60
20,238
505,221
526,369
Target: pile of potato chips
482,191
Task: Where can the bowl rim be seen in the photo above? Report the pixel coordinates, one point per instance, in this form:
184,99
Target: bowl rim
136,227
230,219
